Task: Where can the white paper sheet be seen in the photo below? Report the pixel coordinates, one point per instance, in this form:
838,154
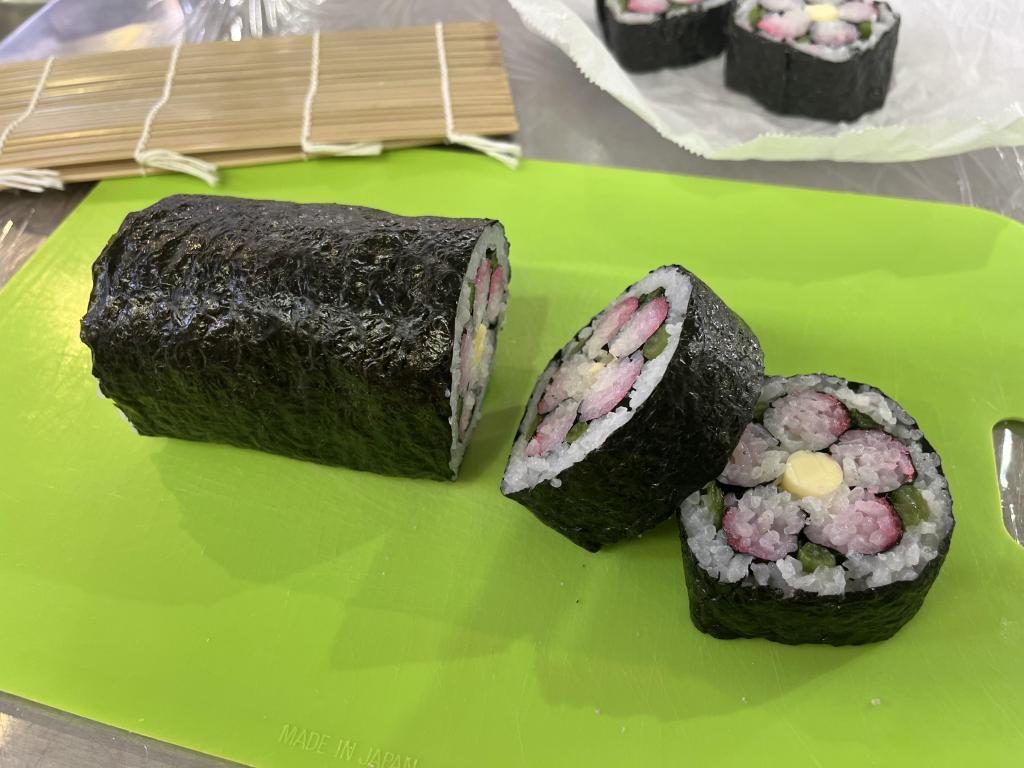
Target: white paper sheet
958,85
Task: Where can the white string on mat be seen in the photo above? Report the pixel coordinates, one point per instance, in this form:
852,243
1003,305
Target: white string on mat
29,179
502,151
166,159
311,148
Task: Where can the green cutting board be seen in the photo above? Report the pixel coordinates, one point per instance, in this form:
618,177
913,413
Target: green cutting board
282,613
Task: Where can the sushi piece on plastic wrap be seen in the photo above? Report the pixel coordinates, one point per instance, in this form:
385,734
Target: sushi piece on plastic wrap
829,524
333,333
645,35
642,407
828,60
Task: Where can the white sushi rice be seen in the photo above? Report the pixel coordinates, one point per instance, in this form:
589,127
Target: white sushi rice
918,546
493,238
805,421
872,459
623,16
528,471
764,522
757,458
886,20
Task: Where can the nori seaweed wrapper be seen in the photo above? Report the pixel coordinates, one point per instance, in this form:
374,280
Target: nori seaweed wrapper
791,82
321,332
857,617
865,616
670,41
678,439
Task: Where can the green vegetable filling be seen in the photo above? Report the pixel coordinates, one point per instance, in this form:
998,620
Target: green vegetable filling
804,39
656,344
813,556
860,420
492,258
531,430
759,410
576,432
864,29
472,294
715,500
756,14
910,505
656,293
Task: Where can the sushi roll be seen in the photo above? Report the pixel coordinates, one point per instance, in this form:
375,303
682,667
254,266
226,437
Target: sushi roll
645,35
644,403
332,333
828,525
824,59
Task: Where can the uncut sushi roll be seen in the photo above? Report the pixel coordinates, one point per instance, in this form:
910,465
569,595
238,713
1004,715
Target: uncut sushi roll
826,59
828,525
643,404
332,333
645,35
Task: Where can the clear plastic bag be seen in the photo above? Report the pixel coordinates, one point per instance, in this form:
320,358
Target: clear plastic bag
958,86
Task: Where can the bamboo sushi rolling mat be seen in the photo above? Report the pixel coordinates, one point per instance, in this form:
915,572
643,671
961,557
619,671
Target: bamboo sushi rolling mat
194,108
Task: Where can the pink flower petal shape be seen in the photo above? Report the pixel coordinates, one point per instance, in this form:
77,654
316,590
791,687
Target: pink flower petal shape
807,420
785,26
572,380
609,323
640,327
858,12
873,459
764,523
835,34
553,429
465,352
860,523
612,385
496,293
647,6
483,282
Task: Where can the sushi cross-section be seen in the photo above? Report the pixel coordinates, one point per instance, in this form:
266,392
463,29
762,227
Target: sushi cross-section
645,35
333,333
828,525
640,408
824,59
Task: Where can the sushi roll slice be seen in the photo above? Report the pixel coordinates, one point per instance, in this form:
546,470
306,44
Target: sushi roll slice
645,35
828,525
333,333
824,59
644,403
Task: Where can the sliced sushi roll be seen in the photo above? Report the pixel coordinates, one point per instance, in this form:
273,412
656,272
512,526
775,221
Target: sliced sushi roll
645,403
828,525
645,35
332,333
824,59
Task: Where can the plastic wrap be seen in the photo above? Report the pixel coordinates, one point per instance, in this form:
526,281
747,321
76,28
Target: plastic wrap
957,87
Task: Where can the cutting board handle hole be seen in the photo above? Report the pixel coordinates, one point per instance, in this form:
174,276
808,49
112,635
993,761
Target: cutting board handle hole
1008,441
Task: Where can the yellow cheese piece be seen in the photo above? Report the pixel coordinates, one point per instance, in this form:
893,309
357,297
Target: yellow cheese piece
479,341
811,474
822,12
